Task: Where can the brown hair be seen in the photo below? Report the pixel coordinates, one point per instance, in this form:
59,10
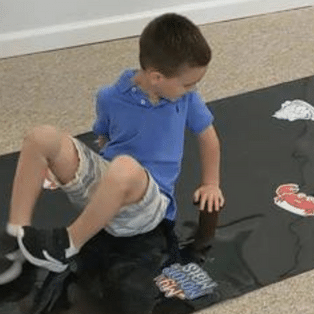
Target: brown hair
170,42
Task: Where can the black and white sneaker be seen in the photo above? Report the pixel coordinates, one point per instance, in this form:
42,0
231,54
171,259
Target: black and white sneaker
49,249
11,259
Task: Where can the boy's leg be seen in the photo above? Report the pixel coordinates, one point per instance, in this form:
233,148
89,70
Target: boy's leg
125,182
43,147
128,268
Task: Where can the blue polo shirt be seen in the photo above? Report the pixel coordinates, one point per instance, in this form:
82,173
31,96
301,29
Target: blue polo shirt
153,134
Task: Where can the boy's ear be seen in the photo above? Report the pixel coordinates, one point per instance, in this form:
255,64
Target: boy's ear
155,77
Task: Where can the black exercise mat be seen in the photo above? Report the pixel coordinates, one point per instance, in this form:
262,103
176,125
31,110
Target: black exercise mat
256,242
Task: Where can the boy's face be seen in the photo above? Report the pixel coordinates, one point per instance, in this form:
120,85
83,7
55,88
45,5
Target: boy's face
175,87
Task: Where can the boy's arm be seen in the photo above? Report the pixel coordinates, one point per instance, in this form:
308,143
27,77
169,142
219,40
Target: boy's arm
209,191
210,156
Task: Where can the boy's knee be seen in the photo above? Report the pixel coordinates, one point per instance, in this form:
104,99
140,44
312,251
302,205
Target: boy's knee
41,133
44,138
127,170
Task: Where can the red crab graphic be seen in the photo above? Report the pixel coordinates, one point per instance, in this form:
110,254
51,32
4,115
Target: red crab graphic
287,189
297,203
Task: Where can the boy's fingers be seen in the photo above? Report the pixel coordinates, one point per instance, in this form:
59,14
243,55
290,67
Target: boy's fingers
210,204
203,203
206,203
196,197
217,205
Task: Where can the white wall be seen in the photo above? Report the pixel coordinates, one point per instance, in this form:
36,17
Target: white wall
17,15
28,26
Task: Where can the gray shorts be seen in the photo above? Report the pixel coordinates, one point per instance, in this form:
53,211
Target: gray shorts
133,219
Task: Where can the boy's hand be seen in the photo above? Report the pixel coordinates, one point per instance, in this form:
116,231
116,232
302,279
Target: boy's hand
210,194
101,141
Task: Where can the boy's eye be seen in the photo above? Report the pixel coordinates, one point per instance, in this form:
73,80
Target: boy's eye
189,85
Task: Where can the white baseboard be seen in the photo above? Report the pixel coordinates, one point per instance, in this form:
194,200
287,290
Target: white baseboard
92,31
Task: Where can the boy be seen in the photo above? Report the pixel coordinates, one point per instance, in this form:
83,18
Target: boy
128,189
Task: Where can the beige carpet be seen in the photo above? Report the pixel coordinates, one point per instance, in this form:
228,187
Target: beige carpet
57,88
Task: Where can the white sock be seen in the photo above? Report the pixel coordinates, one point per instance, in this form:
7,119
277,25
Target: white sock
13,230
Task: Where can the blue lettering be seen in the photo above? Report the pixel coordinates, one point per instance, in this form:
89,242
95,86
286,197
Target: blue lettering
199,277
188,285
193,294
167,272
179,276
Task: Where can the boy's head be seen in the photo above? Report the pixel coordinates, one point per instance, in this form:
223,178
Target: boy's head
170,43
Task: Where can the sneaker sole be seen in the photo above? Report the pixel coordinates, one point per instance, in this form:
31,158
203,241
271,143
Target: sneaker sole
52,264
12,273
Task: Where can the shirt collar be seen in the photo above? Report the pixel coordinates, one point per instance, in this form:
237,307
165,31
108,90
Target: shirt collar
125,82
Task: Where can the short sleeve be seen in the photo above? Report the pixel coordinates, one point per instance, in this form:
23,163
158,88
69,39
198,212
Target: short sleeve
101,124
199,117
